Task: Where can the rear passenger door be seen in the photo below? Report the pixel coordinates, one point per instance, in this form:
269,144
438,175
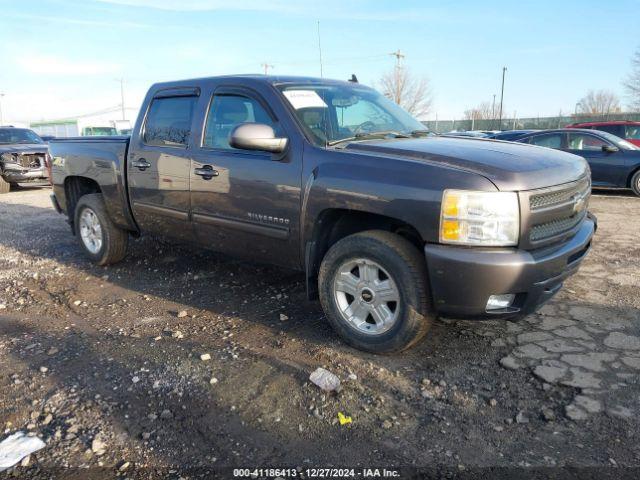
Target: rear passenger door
607,168
249,205
159,164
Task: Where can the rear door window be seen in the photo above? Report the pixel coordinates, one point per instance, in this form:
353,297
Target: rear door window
550,140
583,141
168,121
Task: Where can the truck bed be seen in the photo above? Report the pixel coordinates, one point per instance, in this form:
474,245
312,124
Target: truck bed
101,159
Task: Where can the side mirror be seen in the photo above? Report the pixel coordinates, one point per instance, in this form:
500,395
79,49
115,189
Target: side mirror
256,136
610,149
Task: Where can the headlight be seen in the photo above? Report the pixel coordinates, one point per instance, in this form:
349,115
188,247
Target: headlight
479,218
7,157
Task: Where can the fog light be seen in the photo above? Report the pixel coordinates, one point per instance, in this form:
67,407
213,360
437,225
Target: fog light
497,302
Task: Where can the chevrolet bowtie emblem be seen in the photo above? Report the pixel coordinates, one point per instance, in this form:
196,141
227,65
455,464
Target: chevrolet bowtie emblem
579,203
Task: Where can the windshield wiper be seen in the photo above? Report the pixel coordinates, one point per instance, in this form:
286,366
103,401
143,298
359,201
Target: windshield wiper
369,135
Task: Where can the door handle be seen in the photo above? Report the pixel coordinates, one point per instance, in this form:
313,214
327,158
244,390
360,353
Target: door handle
141,164
206,172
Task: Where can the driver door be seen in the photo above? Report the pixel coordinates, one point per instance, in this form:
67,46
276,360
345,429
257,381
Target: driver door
246,203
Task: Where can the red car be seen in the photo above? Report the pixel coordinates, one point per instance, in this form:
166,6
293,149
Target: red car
626,129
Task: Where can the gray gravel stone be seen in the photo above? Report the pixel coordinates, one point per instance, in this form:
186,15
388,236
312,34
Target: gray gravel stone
575,413
532,337
582,379
560,346
622,341
620,412
551,371
510,363
589,361
531,350
572,332
552,323
589,404
631,362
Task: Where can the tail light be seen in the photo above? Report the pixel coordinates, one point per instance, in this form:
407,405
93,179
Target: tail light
47,164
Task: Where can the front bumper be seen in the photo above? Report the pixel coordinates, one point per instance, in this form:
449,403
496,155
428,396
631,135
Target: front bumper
17,174
462,279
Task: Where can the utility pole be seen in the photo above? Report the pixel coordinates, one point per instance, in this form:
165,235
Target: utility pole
1,120
121,80
504,71
399,56
493,111
320,48
266,67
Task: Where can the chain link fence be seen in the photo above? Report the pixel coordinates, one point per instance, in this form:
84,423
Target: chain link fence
535,123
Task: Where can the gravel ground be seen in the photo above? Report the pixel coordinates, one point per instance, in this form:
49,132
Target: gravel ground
180,363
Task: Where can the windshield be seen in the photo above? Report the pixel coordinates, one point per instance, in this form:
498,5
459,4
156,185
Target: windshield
18,135
623,144
99,131
330,113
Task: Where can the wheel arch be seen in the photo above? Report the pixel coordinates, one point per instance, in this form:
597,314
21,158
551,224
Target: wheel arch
635,170
74,188
334,224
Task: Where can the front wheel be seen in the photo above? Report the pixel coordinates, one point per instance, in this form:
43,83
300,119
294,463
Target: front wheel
99,238
373,288
635,183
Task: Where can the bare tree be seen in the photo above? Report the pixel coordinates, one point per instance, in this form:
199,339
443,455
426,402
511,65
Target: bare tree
599,102
411,93
632,83
483,111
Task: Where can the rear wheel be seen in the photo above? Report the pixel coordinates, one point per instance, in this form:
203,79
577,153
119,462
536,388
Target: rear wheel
373,288
99,238
4,186
635,183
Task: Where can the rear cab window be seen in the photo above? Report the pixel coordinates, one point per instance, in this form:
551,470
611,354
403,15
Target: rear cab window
168,122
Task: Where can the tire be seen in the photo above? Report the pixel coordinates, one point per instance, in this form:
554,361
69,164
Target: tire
97,226
4,186
635,183
382,261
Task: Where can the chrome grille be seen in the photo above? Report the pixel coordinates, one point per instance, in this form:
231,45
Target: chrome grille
558,197
555,227
551,214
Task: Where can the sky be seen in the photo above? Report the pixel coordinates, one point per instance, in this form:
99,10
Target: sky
63,58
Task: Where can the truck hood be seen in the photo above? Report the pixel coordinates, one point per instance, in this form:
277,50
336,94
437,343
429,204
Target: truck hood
22,148
510,166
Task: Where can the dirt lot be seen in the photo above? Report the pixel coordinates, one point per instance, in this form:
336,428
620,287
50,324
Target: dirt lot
104,364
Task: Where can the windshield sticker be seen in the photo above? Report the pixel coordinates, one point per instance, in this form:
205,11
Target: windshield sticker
304,99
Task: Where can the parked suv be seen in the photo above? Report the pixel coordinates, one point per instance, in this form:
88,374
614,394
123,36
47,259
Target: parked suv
628,130
24,157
